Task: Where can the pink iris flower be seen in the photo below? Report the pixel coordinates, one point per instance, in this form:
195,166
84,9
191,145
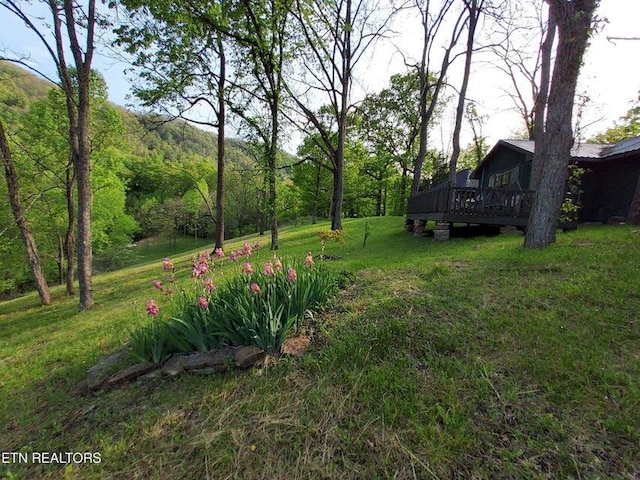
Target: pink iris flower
157,284
308,261
167,264
268,269
247,268
152,308
209,285
218,253
203,303
255,288
291,274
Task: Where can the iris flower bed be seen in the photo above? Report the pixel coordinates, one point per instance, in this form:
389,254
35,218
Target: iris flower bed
261,305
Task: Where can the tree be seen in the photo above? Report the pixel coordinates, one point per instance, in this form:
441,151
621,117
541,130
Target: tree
389,124
183,69
432,21
628,126
79,22
266,39
524,34
18,213
476,122
474,9
574,21
336,35
313,178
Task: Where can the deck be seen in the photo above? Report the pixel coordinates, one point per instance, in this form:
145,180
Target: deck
490,206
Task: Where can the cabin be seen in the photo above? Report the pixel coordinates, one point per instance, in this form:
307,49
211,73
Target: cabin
497,191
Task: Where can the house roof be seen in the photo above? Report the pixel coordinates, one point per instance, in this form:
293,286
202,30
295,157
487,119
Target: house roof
590,152
627,145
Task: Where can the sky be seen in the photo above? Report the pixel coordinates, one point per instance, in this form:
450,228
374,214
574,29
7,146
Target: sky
610,76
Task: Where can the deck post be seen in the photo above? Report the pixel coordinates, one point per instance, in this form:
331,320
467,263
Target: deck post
441,231
419,228
408,225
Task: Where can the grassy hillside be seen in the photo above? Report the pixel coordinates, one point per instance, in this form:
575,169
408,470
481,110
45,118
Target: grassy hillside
472,358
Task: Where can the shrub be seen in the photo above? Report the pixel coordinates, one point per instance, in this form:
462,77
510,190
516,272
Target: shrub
258,306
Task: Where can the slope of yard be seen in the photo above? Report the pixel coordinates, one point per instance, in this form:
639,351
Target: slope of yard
472,358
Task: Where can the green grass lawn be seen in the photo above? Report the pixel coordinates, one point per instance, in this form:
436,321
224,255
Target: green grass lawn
471,358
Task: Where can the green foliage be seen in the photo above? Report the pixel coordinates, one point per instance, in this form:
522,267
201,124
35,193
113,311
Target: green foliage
39,136
570,207
629,126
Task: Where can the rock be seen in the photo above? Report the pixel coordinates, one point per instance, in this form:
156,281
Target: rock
248,356
157,373
295,346
95,383
408,225
441,232
216,359
97,375
196,360
221,360
103,365
174,366
419,228
131,373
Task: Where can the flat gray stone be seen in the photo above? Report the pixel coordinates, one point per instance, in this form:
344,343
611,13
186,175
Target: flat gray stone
157,373
131,373
248,356
103,365
216,359
197,360
174,366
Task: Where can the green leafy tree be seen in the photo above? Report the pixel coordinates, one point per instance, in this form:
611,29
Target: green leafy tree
180,52
73,27
628,126
389,124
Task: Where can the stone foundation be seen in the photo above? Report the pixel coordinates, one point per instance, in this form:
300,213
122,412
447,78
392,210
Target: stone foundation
441,232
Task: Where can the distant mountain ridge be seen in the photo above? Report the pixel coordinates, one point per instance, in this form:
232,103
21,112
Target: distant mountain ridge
147,133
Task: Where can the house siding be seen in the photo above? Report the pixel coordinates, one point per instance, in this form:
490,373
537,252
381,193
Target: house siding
608,188
503,160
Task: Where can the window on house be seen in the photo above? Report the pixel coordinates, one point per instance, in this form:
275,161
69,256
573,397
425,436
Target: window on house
504,179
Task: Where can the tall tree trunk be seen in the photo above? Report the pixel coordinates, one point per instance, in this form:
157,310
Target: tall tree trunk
474,14
81,156
540,106
271,175
337,195
70,239
573,19
82,162
338,163
221,151
60,260
16,208
314,214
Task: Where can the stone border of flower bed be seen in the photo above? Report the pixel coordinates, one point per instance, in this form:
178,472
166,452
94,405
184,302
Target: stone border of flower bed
214,361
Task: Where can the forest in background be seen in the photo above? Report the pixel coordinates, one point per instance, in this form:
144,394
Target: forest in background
153,177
